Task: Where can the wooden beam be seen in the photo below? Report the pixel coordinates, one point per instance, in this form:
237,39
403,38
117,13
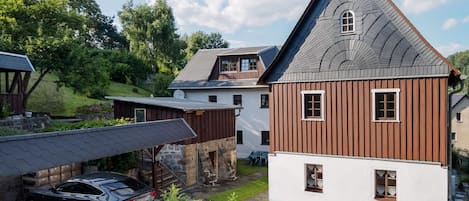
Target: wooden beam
14,82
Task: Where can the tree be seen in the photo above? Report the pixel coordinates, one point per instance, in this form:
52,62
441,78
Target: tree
461,61
201,40
151,32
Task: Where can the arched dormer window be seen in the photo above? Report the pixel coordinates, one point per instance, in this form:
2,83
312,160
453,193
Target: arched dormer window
347,22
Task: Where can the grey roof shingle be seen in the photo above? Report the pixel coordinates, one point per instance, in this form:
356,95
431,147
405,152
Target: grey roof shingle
457,98
27,153
384,45
15,62
196,73
180,104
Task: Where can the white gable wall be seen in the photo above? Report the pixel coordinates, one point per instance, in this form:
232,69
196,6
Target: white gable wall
253,118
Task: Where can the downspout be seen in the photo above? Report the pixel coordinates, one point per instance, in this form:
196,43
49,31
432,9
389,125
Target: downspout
450,136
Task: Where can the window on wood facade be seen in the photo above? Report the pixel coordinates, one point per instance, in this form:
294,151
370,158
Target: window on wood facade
458,117
248,65
265,138
314,178
140,115
313,105
347,22
386,185
212,99
237,100
386,104
264,100
228,65
239,137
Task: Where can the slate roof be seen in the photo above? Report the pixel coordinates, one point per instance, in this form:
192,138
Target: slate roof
457,98
196,73
180,104
15,62
28,153
385,45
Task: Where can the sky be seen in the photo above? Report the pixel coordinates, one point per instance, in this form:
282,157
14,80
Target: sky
444,23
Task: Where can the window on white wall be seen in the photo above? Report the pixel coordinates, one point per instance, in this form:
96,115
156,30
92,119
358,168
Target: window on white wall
458,117
265,138
348,22
386,185
239,137
264,100
140,115
314,178
313,105
386,105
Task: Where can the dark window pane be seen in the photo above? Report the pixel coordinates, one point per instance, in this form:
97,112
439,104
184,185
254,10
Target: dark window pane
239,137
237,100
350,27
265,138
317,113
350,20
212,99
390,114
344,21
264,101
140,115
245,64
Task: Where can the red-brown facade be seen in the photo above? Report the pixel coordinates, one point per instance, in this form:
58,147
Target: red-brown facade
217,75
348,128
209,125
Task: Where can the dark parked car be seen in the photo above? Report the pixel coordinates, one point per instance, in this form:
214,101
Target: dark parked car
96,187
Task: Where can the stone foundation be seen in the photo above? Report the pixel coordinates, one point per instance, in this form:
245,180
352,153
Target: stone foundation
30,124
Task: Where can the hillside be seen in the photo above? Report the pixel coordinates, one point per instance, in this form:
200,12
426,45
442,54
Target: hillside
63,101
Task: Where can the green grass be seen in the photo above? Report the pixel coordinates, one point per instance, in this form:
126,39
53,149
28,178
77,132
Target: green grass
244,169
73,100
244,192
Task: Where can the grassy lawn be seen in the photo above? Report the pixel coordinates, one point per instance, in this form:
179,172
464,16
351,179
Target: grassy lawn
249,189
244,192
66,101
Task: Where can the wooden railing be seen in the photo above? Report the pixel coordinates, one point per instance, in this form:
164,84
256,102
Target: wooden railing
14,101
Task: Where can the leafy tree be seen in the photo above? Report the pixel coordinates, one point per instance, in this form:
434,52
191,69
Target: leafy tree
151,31
461,61
161,83
201,40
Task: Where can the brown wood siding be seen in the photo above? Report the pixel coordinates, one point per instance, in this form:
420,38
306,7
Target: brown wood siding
217,75
211,125
348,128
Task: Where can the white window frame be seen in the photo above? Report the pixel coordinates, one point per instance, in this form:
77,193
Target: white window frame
144,114
387,90
342,22
312,92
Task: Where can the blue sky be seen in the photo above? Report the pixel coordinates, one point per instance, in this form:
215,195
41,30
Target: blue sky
445,23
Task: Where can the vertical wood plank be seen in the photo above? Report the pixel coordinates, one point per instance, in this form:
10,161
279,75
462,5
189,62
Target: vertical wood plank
435,123
373,131
339,116
397,128
422,130
443,120
415,120
325,145
428,122
355,120
350,118
403,116
361,119
281,117
297,144
379,131
344,119
333,116
366,95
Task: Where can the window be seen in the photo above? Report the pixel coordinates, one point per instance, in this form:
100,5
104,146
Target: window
265,138
386,105
79,188
248,65
386,184
237,100
252,64
228,65
264,100
454,136
239,137
313,105
212,99
458,117
347,22
140,115
314,178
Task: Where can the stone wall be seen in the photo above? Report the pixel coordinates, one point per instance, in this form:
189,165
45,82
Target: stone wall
31,124
173,157
226,154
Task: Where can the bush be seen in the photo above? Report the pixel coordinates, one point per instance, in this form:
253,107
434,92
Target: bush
4,109
173,194
161,83
4,131
94,109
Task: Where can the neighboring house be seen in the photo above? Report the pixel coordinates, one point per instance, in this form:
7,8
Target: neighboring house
460,122
229,76
359,108
207,158
15,72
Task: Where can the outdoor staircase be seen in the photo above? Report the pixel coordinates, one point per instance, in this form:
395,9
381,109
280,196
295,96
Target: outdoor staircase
230,168
165,177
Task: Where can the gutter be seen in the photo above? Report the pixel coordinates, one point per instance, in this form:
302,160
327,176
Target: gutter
460,81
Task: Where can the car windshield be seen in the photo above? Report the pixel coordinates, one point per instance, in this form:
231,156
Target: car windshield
125,187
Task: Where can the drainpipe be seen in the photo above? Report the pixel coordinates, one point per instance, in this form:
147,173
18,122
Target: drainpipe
450,136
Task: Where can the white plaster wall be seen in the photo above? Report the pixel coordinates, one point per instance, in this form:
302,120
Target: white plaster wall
253,118
353,179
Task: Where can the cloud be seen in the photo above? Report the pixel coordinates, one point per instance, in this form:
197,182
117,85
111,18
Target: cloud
450,23
229,16
466,20
451,49
421,6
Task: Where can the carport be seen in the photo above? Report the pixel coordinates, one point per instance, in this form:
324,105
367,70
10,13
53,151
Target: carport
23,154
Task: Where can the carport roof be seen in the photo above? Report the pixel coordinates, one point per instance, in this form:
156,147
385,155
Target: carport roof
28,153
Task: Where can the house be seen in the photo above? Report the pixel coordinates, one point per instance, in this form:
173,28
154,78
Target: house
15,72
358,108
207,158
460,128
229,76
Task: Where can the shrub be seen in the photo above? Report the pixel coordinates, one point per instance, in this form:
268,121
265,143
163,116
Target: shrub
4,109
94,109
5,131
173,194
